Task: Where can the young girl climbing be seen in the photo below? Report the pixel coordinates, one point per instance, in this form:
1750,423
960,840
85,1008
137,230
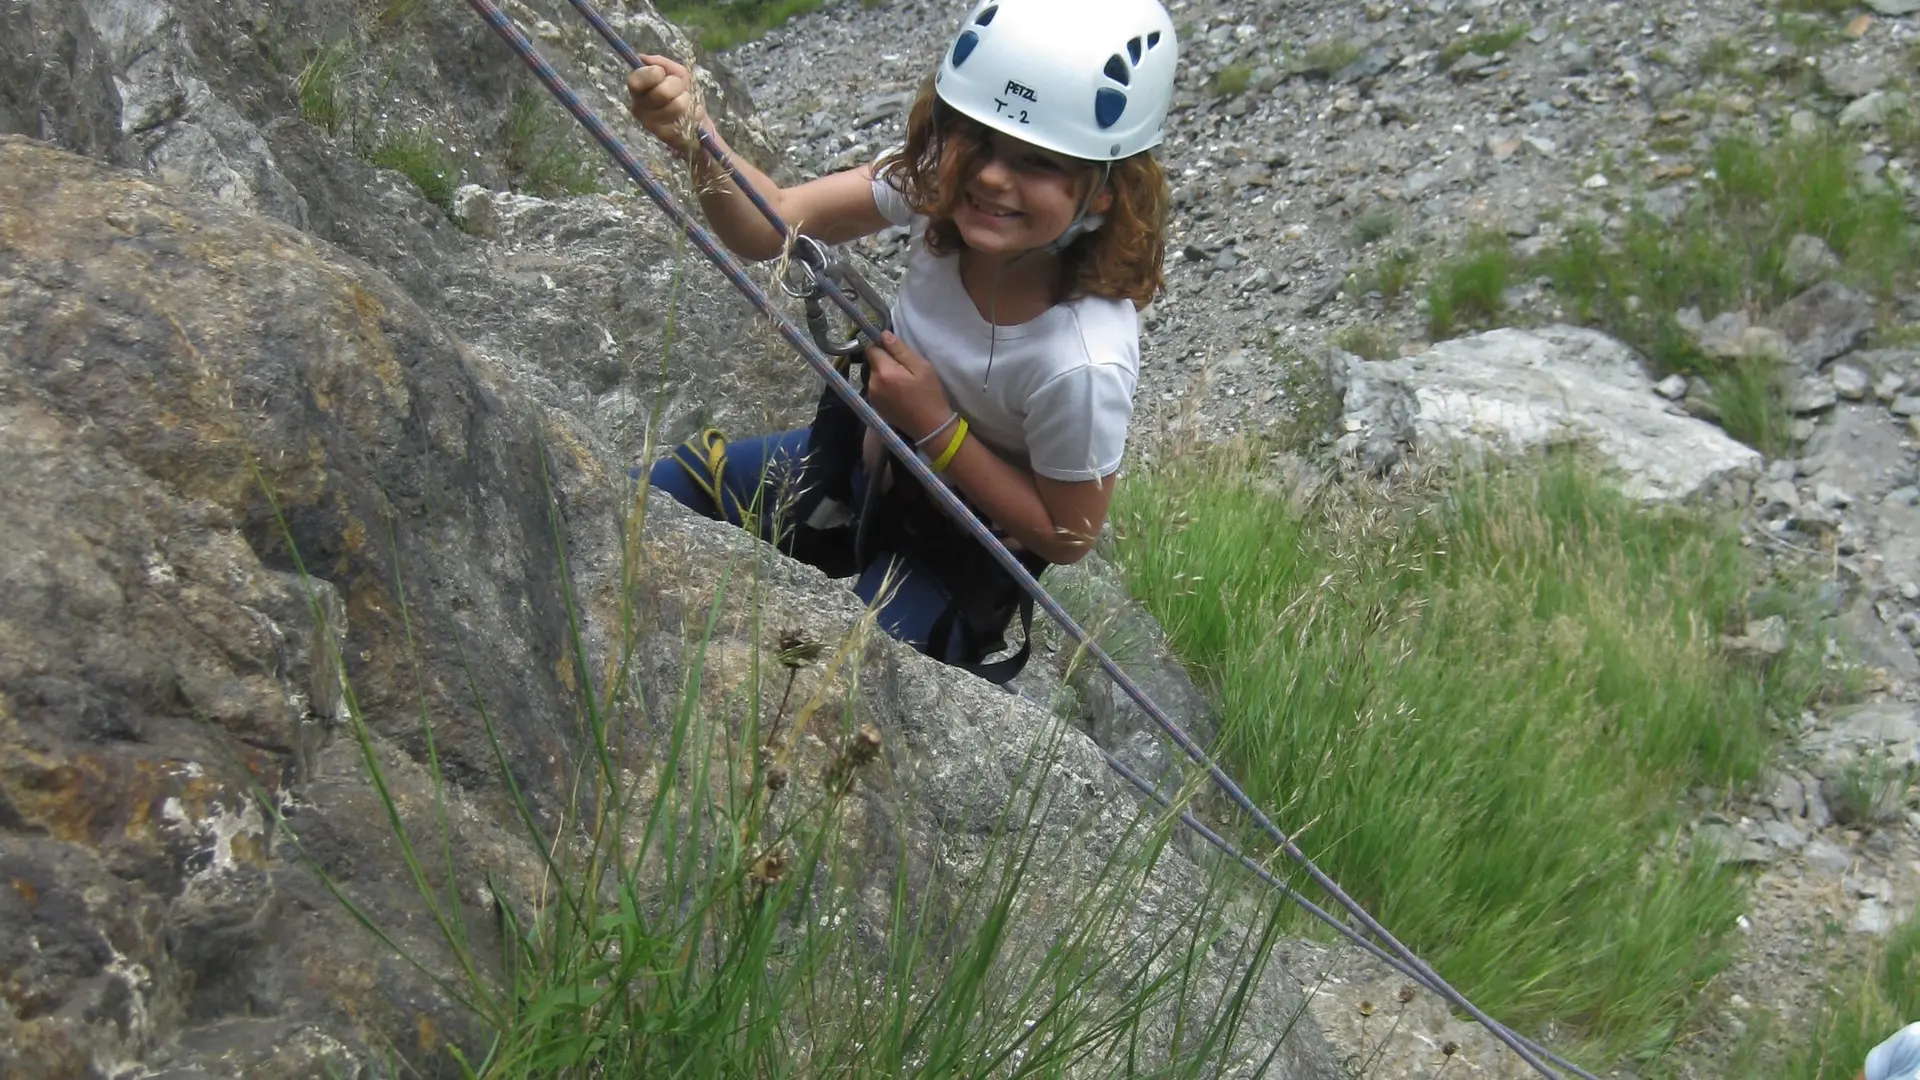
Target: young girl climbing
1036,215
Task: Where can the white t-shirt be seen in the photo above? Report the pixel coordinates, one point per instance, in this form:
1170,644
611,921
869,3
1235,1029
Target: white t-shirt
1898,1058
1060,392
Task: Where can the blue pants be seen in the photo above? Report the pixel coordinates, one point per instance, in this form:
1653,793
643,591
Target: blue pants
757,478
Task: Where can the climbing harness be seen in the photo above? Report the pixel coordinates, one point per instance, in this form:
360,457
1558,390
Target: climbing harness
1385,945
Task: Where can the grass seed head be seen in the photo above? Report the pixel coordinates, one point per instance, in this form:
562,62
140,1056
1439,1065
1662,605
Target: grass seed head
858,751
796,651
770,867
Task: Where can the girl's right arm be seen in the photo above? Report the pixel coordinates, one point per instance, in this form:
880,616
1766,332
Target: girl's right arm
835,208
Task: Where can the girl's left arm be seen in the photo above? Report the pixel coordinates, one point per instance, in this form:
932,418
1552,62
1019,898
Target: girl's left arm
1056,519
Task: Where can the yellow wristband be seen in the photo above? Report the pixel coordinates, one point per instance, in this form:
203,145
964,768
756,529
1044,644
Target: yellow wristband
953,447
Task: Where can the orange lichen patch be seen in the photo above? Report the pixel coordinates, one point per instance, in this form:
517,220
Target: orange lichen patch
249,848
94,799
428,1033
28,894
376,349
352,987
44,1048
355,536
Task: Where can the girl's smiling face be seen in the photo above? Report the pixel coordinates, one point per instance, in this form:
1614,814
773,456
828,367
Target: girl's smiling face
1018,197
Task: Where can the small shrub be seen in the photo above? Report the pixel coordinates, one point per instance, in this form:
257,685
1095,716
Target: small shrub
323,100
1722,56
1366,342
1326,57
1377,224
1232,80
396,14
1806,32
420,158
1482,44
1818,7
1390,275
1467,291
721,26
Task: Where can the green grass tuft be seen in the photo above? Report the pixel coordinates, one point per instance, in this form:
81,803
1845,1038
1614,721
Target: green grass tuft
1751,398
1467,291
1819,7
541,152
1366,342
1376,224
322,97
1804,31
720,26
1722,56
416,155
1487,44
1327,57
1481,710
1232,80
1391,275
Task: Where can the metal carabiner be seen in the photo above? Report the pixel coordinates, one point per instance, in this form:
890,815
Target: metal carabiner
818,267
877,313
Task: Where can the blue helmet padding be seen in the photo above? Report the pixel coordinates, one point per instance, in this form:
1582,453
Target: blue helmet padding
1108,104
1118,71
963,47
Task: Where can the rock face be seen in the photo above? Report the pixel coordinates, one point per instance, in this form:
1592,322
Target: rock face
167,672
1529,389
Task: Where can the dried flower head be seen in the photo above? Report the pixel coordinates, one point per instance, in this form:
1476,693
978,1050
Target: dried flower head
776,777
1450,1049
795,651
769,868
859,751
1366,1008
1406,994
865,745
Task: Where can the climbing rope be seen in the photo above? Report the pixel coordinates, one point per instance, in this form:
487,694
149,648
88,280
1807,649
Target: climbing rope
1402,958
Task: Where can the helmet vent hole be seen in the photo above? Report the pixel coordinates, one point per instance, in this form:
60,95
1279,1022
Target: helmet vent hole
1133,49
1108,104
963,47
985,18
1118,71
1153,39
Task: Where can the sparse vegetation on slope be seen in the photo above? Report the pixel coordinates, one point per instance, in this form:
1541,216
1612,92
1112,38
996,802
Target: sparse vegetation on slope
1481,707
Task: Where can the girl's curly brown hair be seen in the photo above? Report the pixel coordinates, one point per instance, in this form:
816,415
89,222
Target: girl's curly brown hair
1121,260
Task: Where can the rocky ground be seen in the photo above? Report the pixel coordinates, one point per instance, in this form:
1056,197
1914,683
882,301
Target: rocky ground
1369,126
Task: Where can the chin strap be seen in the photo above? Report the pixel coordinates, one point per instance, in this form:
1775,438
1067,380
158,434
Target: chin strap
1083,222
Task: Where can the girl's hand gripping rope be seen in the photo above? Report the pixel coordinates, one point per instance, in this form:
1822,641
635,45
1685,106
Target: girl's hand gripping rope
904,389
661,97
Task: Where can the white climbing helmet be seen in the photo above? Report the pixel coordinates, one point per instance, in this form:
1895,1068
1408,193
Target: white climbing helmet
1091,79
